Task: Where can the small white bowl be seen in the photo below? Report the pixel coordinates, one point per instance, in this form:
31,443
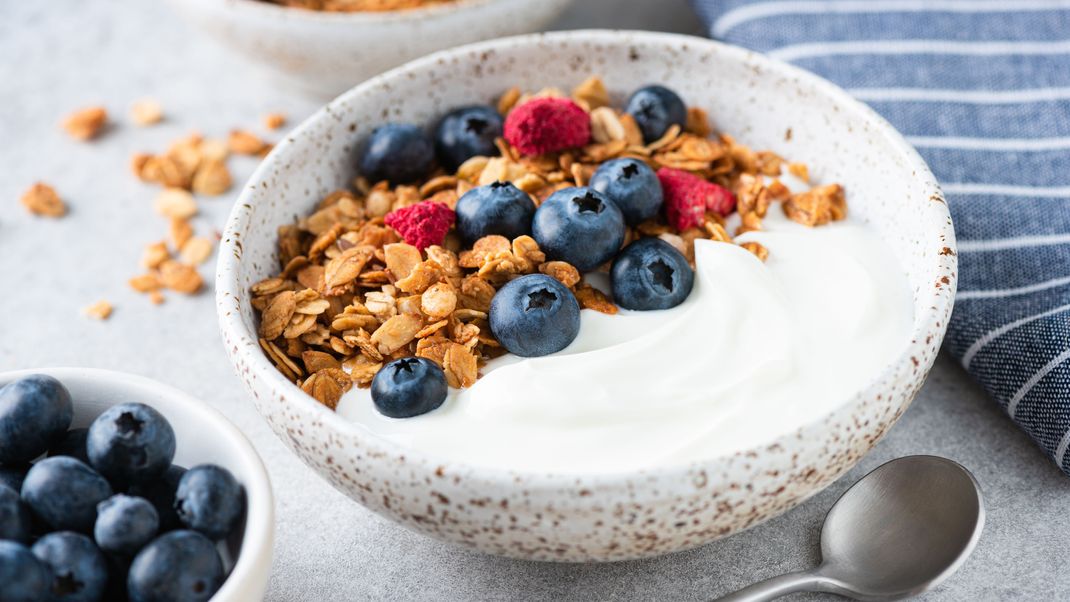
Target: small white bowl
328,53
535,515
203,436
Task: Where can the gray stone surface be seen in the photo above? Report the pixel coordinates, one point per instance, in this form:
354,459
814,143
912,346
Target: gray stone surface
62,54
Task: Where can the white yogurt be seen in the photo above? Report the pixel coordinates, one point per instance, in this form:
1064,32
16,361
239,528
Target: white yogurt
756,351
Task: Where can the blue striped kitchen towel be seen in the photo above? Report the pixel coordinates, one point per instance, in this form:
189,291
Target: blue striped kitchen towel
982,89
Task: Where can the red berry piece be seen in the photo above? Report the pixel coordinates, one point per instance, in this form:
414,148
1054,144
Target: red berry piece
688,197
423,224
546,125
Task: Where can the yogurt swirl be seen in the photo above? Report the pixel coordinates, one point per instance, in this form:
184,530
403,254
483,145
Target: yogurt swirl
756,351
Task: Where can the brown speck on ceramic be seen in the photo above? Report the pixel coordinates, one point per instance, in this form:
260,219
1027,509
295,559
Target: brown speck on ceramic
600,517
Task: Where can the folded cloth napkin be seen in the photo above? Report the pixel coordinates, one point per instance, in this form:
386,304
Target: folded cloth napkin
982,89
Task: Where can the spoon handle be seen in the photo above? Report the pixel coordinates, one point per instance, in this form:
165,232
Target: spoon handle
774,587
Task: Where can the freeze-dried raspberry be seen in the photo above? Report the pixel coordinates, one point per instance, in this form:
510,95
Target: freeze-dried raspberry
423,224
688,198
544,125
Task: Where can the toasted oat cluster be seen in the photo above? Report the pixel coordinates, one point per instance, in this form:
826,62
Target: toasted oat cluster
353,294
353,6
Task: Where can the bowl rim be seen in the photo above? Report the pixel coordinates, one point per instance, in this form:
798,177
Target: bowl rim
270,10
930,308
257,546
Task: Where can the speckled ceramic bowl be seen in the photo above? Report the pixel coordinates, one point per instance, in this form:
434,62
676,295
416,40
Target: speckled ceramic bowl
603,517
328,53
203,436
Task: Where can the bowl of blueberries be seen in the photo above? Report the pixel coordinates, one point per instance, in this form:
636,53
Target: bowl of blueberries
115,487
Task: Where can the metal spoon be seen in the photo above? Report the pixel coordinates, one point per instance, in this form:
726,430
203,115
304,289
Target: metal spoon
900,531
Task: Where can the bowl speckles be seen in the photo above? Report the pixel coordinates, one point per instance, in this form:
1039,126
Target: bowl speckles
538,516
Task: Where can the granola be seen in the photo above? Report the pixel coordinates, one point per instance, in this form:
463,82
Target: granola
86,124
378,298
41,199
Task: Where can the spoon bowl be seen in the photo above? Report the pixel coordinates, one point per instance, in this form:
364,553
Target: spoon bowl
901,530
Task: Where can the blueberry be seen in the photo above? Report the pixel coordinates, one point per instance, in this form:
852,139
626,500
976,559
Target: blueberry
23,578
161,493
655,108
580,226
651,274
632,185
15,523
125,524
64,493
79,570
534,315
398,152
72,444
467,132
210,500
408,387
498,208
12,476
130,443
180,566
35,411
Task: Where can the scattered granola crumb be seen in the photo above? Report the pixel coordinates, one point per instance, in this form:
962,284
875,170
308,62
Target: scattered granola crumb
85,124
101,310
146,112
180,277
156,298
181,232
799,170
146,283
212,178
242,142
176,203
196,251
154,255
41,199
274,121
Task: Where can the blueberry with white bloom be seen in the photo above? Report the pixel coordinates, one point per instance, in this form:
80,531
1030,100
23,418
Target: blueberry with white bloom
23,578
408,387
400,153
35,412
534,315
467,132
210,500
632,185
64,493
15,522
496,208
580,226
656,109
79,569
651,274
177,566
131,443
125,524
